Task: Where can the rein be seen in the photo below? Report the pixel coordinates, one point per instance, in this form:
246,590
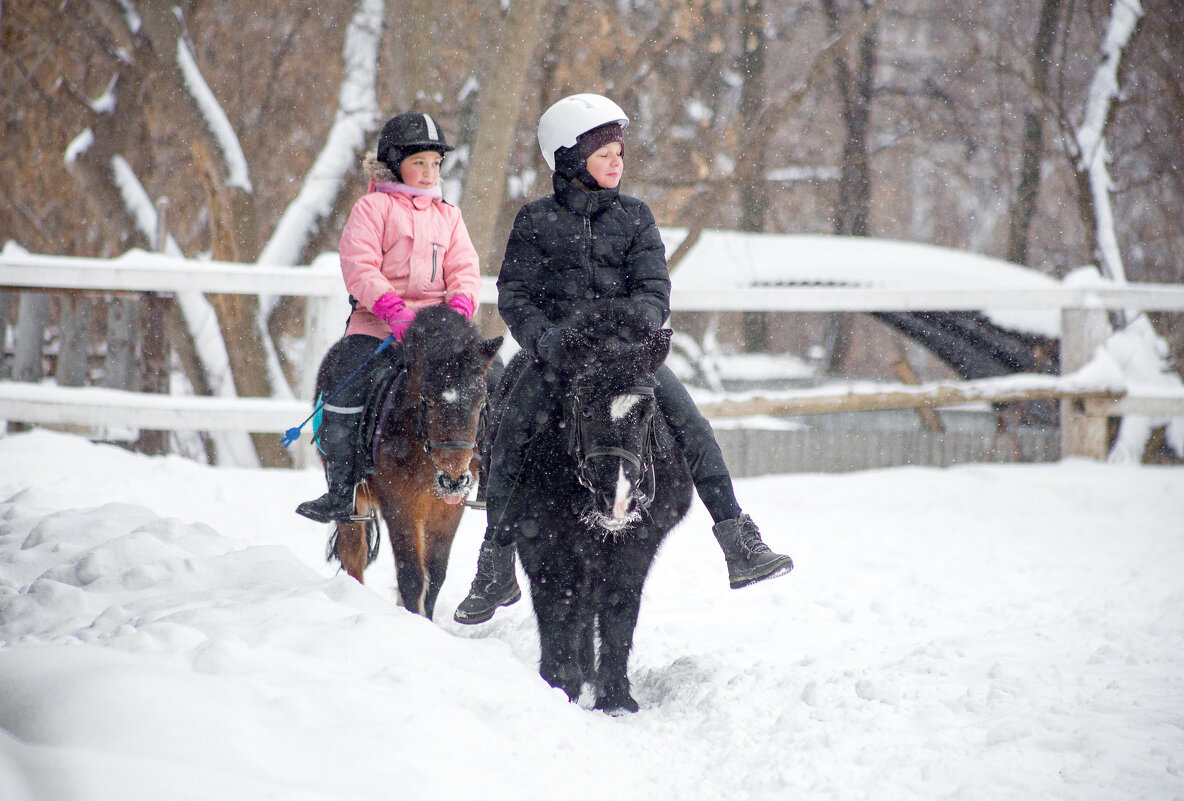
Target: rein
643,462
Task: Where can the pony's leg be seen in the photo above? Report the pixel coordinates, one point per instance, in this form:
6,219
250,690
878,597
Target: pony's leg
559,631
437,548
620,603
351,548
587,645
403,530
409,573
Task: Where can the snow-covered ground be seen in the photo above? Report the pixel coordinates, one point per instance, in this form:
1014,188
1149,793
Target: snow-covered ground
171,631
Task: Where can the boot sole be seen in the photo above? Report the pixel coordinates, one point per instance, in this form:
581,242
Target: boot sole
317,517
781,569
472,621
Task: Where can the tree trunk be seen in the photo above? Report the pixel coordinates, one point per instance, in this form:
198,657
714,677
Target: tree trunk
500,103
855,95
754,196
418,79
852,206
233,225
701,208
1023,206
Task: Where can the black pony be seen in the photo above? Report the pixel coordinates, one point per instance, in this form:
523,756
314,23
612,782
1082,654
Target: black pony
603,484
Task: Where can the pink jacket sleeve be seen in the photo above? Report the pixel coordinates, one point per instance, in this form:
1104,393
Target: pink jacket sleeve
462,268
361,251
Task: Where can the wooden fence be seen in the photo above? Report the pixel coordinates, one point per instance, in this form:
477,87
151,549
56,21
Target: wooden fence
1085,403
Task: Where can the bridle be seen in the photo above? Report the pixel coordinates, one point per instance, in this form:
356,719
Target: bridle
431,445
582,452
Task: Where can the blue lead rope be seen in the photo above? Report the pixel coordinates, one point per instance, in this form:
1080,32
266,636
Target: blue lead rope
293,434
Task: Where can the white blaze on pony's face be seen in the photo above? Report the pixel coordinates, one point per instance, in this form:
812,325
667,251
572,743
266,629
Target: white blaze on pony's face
622,405
624,495
625,415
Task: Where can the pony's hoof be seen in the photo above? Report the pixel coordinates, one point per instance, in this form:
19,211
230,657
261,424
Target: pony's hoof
617,706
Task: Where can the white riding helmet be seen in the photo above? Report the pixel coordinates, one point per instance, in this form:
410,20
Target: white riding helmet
574,115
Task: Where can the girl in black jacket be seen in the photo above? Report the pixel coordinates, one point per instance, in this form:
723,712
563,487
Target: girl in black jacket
589,242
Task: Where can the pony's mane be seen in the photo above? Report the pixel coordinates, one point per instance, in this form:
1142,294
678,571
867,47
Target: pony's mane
613,331
445,344
436,327
613,321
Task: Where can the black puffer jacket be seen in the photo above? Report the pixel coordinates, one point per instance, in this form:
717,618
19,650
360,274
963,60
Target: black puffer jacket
575,246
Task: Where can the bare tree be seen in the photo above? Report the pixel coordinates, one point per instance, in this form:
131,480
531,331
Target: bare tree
500,104
754,195
855,83
1023,205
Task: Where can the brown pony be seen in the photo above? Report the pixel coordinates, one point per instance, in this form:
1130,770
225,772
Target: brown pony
424,456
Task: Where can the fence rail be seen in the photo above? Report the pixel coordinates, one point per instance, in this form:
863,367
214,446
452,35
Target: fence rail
1083,313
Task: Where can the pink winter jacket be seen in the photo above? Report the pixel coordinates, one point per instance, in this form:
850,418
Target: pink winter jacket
413,245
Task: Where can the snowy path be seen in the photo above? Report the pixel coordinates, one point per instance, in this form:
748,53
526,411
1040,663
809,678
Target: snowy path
169,630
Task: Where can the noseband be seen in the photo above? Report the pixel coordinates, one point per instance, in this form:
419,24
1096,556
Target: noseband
429,444
643,462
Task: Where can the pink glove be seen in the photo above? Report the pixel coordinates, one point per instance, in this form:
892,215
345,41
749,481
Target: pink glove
390,309
399,327
462,306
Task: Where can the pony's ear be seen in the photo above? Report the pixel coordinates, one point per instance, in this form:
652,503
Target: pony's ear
655,348
489,348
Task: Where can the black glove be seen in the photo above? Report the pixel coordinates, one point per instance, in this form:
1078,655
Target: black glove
548,346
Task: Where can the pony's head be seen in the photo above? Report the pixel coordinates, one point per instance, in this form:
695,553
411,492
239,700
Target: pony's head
446,362
612,355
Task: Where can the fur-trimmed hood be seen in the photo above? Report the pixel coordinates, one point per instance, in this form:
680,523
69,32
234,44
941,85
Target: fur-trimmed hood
376,170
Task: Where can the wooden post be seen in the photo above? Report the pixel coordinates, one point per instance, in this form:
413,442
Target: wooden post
29,336
6,319
74,316
1083,331
154,350
154,342
323,325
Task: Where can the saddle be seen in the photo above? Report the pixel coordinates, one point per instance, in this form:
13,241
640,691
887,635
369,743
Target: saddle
380,402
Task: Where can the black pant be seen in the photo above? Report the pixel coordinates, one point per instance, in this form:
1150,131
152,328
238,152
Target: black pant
347,355
349,372
531,404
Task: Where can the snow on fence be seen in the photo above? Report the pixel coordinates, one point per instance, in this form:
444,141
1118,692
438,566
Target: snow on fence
1087,397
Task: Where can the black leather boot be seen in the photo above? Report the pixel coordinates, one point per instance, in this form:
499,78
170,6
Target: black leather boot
338,439
749,559
494,586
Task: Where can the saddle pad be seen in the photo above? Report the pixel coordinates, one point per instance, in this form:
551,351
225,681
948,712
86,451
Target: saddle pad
379,403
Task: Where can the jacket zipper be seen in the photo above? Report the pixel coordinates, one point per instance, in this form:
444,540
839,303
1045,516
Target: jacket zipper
434,246
588,250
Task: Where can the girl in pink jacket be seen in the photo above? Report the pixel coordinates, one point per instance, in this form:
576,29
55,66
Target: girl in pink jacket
403,249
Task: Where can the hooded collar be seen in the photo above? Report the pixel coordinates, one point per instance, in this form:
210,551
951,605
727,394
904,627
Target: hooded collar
392,188
579,199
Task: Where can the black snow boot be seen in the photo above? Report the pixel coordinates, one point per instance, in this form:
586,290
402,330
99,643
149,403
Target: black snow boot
494,586
338,439
749,559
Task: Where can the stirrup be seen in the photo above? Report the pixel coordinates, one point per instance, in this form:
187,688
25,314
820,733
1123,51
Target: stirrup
362,488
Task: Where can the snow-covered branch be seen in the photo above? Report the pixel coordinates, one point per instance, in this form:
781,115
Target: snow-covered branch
1093,155
237,174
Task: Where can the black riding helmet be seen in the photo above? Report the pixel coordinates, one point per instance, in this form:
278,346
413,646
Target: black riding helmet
406,134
